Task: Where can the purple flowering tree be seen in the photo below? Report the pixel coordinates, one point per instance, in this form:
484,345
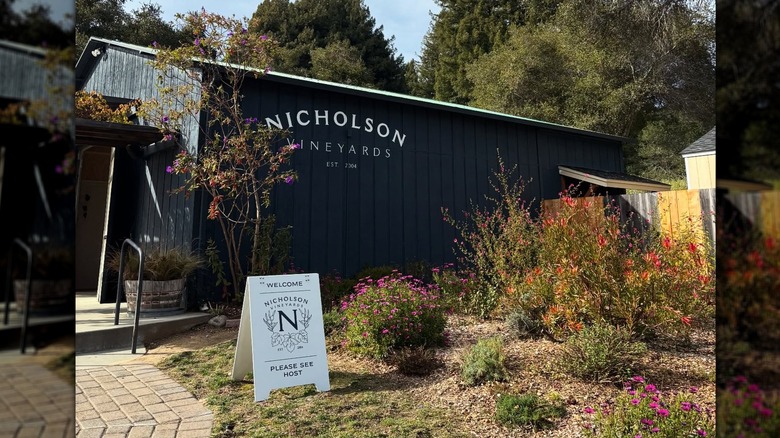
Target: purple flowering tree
241,160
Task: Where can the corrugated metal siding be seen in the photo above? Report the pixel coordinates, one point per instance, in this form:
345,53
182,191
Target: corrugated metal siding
161,217
388,210
24,77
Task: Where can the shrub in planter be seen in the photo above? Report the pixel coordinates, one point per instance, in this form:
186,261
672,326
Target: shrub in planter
165,277
392,312
601,353
484,362
51,280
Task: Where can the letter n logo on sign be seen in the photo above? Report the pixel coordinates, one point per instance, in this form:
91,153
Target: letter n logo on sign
293,322
281,338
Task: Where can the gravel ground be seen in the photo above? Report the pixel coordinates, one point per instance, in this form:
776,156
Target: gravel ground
533,370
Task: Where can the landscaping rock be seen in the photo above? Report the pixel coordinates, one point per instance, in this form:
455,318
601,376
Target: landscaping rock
218,321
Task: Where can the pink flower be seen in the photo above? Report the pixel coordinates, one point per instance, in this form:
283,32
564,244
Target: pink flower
168,169
588,410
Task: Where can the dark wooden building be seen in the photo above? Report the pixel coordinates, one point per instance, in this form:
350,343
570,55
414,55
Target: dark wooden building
375,168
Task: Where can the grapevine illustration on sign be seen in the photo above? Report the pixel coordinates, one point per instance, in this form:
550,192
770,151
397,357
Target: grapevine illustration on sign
286,338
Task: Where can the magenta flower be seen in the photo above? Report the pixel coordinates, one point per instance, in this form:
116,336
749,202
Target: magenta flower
662,412
165,119
701,432
635,401
289,180
168,169
638,379
263,37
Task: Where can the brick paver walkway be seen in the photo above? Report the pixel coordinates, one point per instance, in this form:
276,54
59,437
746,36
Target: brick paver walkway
136,400
34,402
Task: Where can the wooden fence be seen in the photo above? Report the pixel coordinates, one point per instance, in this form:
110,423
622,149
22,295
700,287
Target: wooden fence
759,210
667,212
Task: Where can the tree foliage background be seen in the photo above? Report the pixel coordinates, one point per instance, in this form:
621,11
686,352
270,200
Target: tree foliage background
643,69
33,26
748,75
110,19
336,40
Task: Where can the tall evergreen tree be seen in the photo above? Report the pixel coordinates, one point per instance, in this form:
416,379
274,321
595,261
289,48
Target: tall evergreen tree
308,29
464,30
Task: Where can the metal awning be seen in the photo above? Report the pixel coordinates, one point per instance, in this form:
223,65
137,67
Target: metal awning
95,133
612,179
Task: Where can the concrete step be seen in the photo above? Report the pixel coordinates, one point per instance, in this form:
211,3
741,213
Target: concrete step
41,327
95,329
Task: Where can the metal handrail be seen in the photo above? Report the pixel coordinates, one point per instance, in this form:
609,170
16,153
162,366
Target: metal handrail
28,295
120,288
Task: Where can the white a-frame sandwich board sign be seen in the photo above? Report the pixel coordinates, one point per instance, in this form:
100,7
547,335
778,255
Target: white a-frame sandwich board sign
281,338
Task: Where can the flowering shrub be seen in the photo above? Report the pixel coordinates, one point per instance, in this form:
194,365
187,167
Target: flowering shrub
496,243
591,267
240,159
644,411
392,312
457,290
745,410
748,302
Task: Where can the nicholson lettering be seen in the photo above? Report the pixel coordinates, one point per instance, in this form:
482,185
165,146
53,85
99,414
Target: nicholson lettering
286,300
303,117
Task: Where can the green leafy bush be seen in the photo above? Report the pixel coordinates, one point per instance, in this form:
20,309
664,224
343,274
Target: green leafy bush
644,411
393,312
416,361
527,409
522,325
601,353
331,321
484,362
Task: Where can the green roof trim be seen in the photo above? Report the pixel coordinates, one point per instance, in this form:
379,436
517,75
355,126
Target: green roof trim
363,91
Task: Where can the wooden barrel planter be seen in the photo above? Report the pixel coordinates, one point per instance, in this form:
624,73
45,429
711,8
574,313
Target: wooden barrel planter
46,296
158,298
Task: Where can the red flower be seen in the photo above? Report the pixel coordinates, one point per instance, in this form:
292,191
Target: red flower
692,247
602,241
686,320
667,243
